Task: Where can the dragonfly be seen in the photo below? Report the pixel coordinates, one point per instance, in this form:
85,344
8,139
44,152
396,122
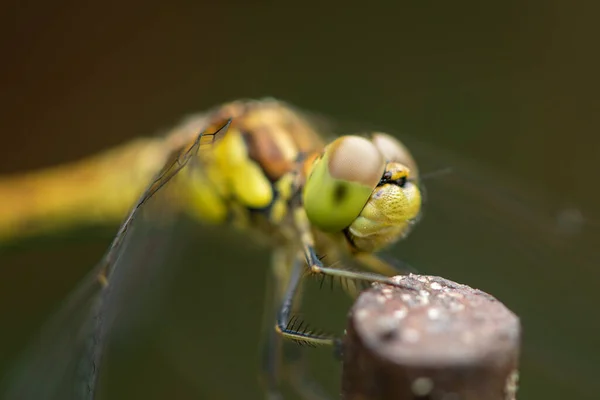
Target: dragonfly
267,170
321,202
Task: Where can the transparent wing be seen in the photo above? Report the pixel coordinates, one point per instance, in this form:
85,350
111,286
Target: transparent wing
495,232
66,360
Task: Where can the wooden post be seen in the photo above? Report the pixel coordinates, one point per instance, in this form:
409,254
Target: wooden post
442,341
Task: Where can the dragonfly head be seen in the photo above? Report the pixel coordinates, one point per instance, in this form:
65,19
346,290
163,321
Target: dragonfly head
366,188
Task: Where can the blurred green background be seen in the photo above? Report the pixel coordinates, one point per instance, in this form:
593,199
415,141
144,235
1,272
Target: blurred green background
506,91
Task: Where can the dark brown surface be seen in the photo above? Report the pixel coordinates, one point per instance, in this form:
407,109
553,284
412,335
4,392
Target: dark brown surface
444,341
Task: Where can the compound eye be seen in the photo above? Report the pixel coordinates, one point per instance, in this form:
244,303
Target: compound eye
341,182
394,151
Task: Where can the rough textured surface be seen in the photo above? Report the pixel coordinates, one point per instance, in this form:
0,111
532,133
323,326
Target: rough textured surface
442,340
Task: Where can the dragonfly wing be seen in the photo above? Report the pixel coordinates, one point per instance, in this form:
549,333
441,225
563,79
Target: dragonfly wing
66,360
51,359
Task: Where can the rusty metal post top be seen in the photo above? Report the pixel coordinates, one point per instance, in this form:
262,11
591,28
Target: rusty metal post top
441,340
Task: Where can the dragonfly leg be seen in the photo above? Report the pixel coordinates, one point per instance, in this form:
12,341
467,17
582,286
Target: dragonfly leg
386,266
292,328
273,349
271,346
316,267
289,327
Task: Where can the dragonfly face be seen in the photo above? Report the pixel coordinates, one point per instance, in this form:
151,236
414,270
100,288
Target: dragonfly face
361,187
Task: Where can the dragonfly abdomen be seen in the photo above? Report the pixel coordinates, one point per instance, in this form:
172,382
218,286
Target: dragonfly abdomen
96,190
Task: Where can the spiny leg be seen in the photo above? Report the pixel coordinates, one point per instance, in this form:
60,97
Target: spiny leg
271,341
316,266
295,330
295,364
289,327
385,265
296,367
